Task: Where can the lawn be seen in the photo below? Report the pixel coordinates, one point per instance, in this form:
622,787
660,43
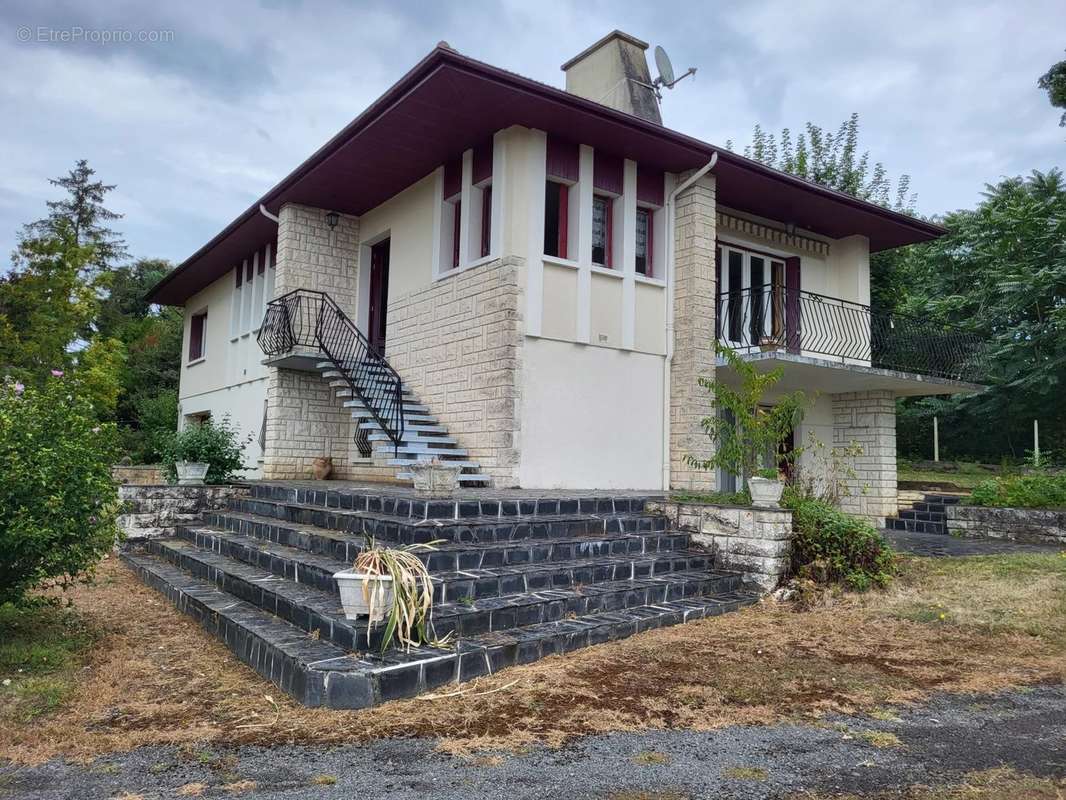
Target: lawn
954,625
946,475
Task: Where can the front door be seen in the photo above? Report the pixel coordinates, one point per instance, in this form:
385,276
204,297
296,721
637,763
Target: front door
379,295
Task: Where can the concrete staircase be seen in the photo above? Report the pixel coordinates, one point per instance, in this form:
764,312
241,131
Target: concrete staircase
517,578
424,437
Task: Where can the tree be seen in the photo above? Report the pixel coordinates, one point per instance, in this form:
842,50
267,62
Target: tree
1001,273
1054,83
833,160
84,215
45,304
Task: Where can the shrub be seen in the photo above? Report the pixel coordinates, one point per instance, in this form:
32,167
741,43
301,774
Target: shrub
837,547
58,502
210,442
1022,491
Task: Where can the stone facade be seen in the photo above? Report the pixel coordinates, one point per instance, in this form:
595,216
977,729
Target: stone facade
139,474
304,418
694,309
868,418
755,541
457,343
151,511
1034,525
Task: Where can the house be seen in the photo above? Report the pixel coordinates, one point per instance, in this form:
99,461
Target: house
530,280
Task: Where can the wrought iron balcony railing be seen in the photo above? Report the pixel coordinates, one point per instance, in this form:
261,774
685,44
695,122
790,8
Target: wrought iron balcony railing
307,318
775,318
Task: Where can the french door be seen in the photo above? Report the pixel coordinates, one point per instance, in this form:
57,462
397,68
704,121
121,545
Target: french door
758,299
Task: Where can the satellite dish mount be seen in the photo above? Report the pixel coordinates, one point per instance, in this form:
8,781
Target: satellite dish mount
666,72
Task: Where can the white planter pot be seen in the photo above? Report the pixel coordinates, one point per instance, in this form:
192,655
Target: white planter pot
435,478
765,492
191,473
359,591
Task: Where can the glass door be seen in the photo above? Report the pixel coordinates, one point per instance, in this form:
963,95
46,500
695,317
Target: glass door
752,306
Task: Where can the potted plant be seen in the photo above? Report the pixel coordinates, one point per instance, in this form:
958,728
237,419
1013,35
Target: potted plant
769,344
391,585
746,425
435,478
766,487
206,452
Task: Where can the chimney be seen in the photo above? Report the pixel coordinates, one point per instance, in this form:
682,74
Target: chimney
614,72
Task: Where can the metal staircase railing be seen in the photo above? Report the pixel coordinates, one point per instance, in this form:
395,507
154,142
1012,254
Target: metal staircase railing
309,318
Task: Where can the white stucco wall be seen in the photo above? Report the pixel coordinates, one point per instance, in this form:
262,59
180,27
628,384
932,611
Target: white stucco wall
591,417
230,379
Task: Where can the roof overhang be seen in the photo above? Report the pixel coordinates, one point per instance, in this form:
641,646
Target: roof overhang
809,374
449,102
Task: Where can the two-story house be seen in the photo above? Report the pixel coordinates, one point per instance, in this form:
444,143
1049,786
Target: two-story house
530,280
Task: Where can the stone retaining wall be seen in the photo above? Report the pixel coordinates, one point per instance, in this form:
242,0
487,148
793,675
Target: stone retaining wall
152,511
755,541
1036,525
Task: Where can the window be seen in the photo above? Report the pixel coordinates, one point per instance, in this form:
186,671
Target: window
556,214
601,230
235,306
197,336
644,242
486,220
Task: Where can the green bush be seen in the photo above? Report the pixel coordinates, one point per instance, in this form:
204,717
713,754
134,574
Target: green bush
58,502
837,547
1040,490
214,443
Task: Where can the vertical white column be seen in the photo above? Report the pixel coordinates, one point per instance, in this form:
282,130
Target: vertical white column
465,208
438,228
629,253
499,191
584,244
537,173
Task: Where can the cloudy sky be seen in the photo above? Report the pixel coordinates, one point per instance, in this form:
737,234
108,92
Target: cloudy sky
221,100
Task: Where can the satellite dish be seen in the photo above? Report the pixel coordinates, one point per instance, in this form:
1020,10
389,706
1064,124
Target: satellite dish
662,63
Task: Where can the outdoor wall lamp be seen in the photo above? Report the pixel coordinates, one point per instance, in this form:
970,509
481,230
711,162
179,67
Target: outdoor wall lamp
332,218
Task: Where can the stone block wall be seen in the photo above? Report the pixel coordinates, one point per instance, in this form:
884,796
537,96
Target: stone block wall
304,418
868,418
694,310
457,343
142,474
1033,525
755,541
151,511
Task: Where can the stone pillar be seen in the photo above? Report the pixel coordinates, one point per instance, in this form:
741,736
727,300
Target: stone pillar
694,308
304,418
869,419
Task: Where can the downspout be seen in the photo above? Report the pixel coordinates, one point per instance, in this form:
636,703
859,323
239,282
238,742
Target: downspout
670,214
267,214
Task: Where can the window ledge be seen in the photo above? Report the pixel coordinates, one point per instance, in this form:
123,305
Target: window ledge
196,361
447,274
650,281
561,262
478,262
601,270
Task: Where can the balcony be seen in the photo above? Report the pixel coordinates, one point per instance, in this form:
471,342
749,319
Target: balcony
771,323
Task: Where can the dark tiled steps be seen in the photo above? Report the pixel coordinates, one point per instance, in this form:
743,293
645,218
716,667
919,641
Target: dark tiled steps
449,585
451,555
415,510
928,516
470,529
318,673
316,610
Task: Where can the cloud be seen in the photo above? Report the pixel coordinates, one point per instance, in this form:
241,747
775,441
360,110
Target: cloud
195,128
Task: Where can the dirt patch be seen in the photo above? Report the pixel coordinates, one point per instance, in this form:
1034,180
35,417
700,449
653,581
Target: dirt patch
993,784
157,678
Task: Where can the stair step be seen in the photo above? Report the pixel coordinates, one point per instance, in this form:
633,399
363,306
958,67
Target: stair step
407,462
467,529
414,438
410,427
446,450
448,585
319,674
451,554
413,405
315,610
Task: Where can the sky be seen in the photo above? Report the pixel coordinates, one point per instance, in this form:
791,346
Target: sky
193,109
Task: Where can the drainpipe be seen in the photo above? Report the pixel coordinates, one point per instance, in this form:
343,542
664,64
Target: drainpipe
267,214
670,214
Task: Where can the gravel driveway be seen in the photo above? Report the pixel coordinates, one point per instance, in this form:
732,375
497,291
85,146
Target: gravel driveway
934,743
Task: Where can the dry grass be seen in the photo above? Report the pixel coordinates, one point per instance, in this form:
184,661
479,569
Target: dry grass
157,678
993,784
